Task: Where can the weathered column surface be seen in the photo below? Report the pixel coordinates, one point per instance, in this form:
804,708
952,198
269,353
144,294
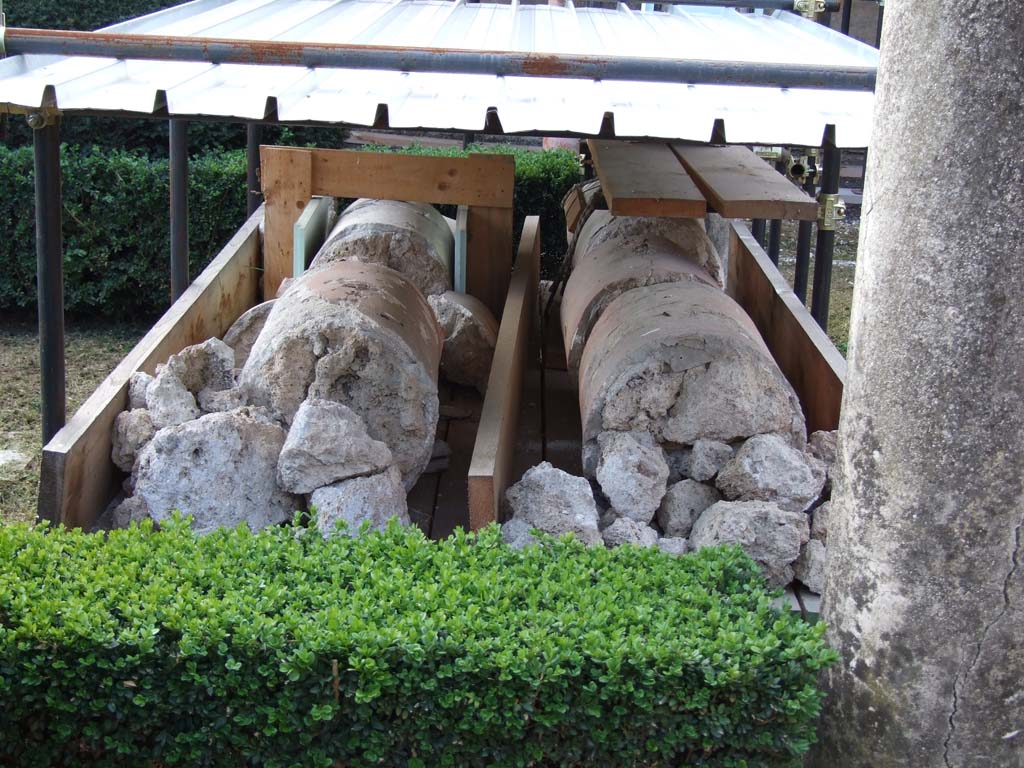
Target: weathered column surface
925,590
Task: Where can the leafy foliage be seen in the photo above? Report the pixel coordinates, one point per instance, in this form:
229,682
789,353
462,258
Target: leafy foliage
281,649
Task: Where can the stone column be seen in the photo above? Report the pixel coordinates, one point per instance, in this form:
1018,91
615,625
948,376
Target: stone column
925,589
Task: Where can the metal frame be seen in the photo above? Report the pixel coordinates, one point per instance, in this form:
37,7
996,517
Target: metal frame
825,246
179,207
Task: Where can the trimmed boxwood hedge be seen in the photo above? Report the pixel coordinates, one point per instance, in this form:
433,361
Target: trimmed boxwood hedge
283,649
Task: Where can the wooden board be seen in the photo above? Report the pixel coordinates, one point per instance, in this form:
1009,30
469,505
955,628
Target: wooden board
563,432
803,351
287,187
78,480
641,179
491,468
489,256
310,232
740,185
461,244
452,509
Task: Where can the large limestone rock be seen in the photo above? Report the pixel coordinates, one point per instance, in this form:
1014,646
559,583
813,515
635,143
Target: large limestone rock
707,458
517,534
820,519
633,473
812,566
328,443
220,469
683,504
554,502
822,446
411,238
209,365
470,335
132,431
361,335
627,531
246,329
374,500
673,546
168,401
766,468
138,388
770,535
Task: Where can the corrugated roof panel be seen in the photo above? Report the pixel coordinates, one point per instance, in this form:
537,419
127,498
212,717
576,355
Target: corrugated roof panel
426,100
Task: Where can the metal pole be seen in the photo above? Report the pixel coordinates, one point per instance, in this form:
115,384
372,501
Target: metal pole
50,272
254,196
179,208
507,63
803,239
757,230
878,31
825,245
775,227
847,13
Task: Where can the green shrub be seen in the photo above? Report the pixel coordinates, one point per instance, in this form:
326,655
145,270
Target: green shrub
282,649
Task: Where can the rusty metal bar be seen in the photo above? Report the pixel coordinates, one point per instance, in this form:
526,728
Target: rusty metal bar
452,60
179,207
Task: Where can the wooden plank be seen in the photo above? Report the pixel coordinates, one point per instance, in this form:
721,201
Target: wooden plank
461,244
563,432
643,179
287,188
803,351
310,232
485,180
491,468
78,480
740,185
452,508
529,446
489,256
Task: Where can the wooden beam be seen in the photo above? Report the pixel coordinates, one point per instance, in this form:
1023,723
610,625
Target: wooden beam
287,176
740,185
491,467
78,479
641,179
461,248
489,256
805,354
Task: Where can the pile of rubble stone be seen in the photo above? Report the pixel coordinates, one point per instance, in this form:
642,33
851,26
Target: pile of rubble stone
325,397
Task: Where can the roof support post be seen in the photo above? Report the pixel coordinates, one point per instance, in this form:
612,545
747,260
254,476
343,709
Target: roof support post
50,270
803,237
775,227
757,229
254,195
179,207
826,243
844,26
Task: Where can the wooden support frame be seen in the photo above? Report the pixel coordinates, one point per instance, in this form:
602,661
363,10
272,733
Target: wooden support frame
490,471
802,350
484,183
645,179
77,478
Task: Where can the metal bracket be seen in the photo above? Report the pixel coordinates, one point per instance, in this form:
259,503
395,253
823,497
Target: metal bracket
831,210
38,119
809,8
770,154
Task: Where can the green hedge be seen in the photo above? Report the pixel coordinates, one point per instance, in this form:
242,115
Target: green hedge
282,649
116,222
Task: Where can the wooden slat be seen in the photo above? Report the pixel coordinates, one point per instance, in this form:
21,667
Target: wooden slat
485,180
563,433
740,185
78,480
452,509
310,232
491,467
640,179
529,447
489,256
287,187
803,351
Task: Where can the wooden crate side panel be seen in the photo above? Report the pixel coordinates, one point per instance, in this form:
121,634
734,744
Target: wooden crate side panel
802,350
78,480
491,467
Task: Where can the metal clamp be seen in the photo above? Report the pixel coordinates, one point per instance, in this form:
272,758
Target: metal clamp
809,8
38,119
831,210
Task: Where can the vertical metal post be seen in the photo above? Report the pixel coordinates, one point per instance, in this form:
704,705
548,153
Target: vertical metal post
253,197
775,227
847,13
757,229
179,207
803,238
878,31
826,242
50,271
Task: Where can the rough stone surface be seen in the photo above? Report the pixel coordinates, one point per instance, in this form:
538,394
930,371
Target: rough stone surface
683,504
925,600
627,531
633,473
555,502
820,521
220,469
812,566
411,238
360,335
209,365
516,533
822,446
246,329
122,513
766,468
138,386
678,463
220,400
707,459
374,500
673,546
168,401
470,334
328,443
770,535
132,431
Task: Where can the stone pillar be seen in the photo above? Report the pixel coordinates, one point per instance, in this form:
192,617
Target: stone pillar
925,588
